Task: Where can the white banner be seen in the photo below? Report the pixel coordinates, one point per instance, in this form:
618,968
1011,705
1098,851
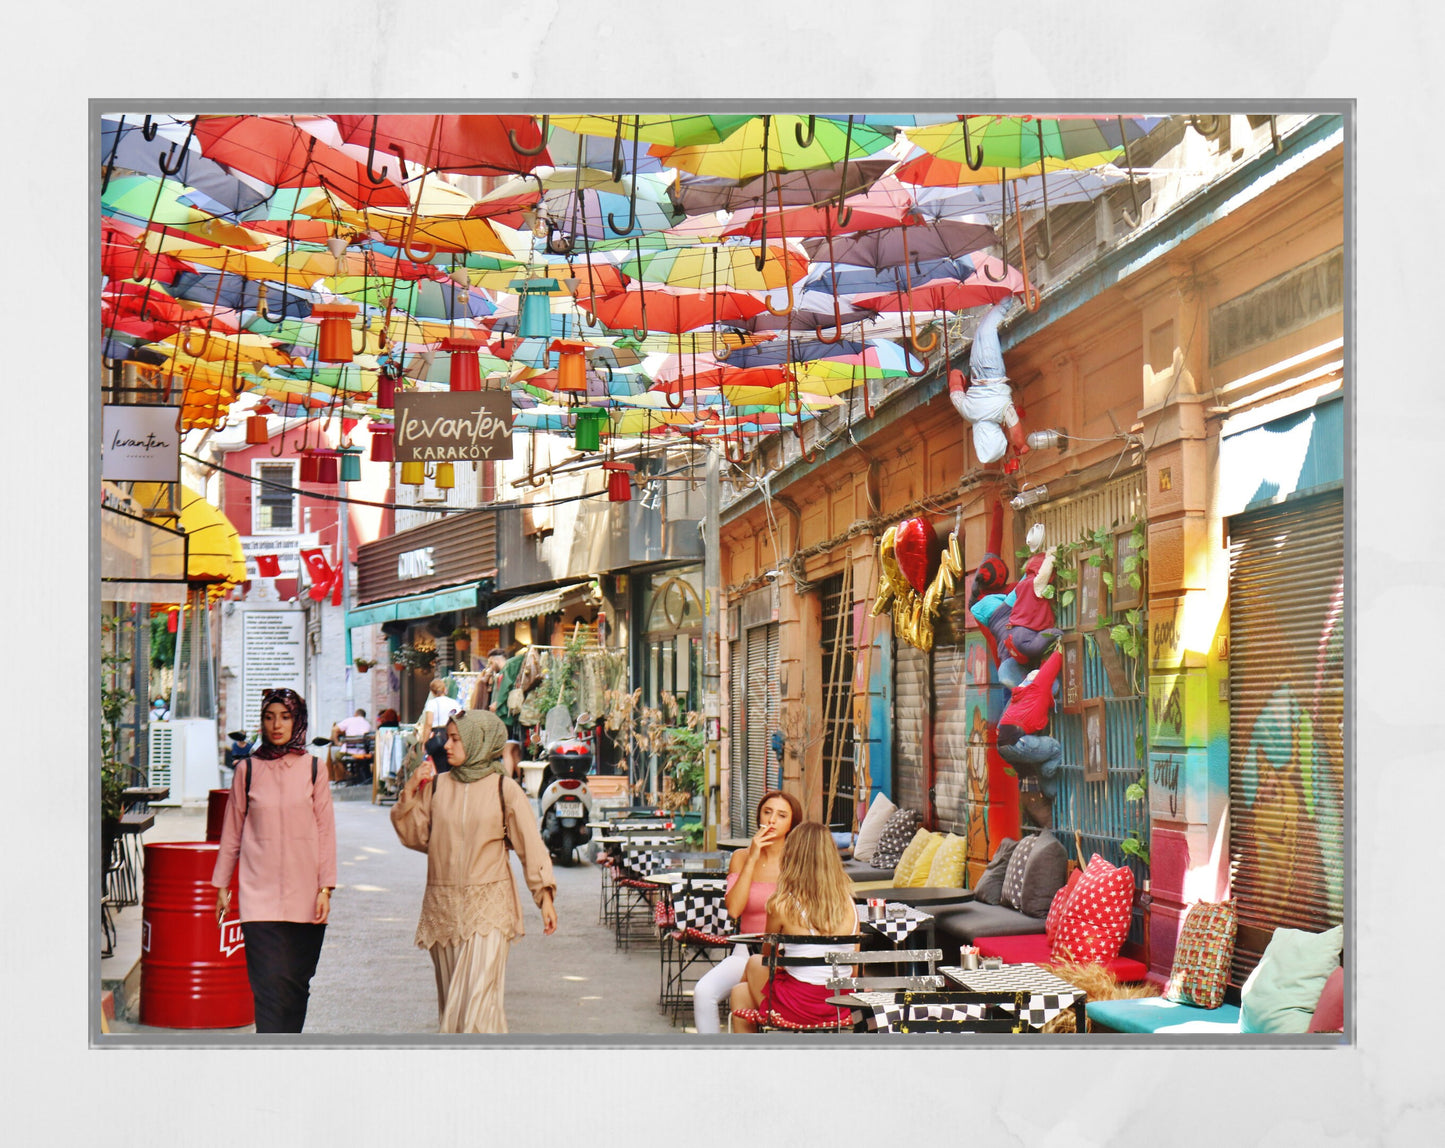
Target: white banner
273,653
141,443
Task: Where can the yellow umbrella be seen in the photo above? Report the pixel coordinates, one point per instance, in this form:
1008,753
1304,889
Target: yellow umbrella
219,348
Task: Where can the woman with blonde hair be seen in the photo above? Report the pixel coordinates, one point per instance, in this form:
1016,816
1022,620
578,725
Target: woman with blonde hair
814,896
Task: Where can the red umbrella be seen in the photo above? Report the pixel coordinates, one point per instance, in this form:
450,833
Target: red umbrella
481,145
280,151
121,256
671,309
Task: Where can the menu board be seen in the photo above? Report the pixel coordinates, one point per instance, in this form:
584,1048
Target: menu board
273,648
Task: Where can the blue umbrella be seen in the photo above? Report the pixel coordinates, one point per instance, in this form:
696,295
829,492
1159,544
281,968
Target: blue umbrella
173,153
238,293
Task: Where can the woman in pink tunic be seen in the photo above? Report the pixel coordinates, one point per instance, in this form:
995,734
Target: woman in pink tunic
279,829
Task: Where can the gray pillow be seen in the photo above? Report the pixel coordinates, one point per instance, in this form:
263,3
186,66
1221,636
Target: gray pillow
990,884
1013,880
1044,875
895,838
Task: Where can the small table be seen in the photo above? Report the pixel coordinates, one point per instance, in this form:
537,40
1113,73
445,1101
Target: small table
909,896
1048,994
897,928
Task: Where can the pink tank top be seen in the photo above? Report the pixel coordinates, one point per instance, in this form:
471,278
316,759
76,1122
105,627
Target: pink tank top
755,912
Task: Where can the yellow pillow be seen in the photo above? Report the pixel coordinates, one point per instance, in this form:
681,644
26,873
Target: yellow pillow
949,863
903,871
918,879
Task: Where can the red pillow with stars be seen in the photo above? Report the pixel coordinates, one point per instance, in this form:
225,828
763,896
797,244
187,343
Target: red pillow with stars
1096,918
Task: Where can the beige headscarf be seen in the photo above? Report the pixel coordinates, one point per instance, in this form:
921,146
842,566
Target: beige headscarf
483,736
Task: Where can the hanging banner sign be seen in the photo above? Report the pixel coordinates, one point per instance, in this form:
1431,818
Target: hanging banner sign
273,656
141,443
461,426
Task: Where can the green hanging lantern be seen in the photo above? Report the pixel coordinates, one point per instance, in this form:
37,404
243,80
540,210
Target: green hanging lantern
590,421
351,464
534,319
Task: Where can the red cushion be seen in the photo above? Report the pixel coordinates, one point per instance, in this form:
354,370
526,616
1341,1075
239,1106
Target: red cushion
1096,918
1033,948
1060,905
1330,1012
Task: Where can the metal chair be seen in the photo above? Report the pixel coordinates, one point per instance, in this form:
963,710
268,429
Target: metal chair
701,926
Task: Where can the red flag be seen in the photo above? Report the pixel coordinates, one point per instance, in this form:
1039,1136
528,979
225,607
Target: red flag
268,565
336,586
320,571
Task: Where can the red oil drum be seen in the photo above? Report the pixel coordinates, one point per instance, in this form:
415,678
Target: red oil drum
216,813
193,974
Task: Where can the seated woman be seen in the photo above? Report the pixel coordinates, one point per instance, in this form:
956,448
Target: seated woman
752,879
813,897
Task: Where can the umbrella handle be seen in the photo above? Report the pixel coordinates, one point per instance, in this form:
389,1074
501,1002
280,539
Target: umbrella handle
519,149
632,197
808,140
667,395
617,169
148,130
263,311
921,348
1043,244
1003,230
808,454
178,153
375,177
837,313
1030,292
1131,218
788,309
410,252
973,163
839,208
912,374
185,342
735,458
365,327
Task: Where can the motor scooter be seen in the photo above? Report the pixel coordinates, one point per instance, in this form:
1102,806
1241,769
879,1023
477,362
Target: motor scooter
565,806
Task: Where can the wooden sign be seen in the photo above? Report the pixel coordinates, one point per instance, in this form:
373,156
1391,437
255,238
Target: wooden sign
1071,678
1096,754
454,426
1125,595
1090,601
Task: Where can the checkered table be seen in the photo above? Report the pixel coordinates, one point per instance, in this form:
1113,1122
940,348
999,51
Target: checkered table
1048,996
646,856
896,929
886,1015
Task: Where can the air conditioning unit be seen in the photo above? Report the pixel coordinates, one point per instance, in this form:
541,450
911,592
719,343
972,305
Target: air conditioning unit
184,757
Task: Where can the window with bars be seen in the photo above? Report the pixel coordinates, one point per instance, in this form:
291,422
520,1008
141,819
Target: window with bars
273,510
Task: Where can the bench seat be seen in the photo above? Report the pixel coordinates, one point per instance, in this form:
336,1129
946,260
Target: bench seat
1155,1014
1035,949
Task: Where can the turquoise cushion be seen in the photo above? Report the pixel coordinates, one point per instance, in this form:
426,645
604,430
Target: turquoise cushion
1281,994
1155,1014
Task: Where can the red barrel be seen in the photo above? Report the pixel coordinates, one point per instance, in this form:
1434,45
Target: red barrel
216,813
192,974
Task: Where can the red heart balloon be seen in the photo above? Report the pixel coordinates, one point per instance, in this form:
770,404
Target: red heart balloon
916,546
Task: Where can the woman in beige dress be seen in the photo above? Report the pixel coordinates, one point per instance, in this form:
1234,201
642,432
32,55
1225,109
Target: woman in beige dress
471,910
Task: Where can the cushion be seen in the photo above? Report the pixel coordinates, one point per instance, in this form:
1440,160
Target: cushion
949,864
1281,994
1155,1014
922,865
902,825
990,886
1058,905
1044,875
1096,919
868,832
903,871
1330,1010
967,923
1201,959
1033,949
860,874
1013,881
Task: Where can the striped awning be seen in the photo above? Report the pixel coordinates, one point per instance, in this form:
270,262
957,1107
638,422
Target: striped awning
544,602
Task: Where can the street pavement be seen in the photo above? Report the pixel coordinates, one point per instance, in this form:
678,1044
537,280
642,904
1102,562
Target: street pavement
373,979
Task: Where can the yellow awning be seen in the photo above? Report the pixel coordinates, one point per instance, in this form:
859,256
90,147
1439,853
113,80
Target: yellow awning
214,545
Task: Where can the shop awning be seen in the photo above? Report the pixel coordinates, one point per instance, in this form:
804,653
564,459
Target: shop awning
530,605
418,606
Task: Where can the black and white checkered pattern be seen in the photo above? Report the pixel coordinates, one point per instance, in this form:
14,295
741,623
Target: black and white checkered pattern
643,862
896,929
884,1015
1049,995
698,904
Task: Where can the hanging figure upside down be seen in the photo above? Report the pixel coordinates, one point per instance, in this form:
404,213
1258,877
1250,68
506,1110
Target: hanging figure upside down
986,400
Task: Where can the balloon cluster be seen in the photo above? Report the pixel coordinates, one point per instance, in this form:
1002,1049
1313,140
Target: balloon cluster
917,574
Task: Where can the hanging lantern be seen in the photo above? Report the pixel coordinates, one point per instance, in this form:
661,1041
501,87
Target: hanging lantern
534,315
413,473
326,468
385,391
571,367
383,444
588,433
333,343
445,477
619,480
351,464
310,467
466,372
257,432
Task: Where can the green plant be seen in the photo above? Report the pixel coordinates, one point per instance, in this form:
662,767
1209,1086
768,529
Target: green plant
1134,845
414,659
163,642
693,835
560,685
461,634
114,773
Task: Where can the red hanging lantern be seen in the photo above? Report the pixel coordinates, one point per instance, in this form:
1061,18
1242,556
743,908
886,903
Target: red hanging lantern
310,467
386,391
383,445
619,480
571,367
326,468
466,372
333,341
257,432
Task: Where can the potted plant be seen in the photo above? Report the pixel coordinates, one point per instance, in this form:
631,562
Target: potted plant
363,665
461,639
114,773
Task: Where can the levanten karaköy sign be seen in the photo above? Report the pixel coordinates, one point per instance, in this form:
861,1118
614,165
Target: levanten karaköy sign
141,443
465,426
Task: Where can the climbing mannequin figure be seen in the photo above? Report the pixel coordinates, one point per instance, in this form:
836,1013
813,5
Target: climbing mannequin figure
986,400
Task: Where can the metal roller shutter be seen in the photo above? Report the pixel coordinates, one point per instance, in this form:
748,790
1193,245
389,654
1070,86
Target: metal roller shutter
951,734
1286,728
737,737
911,694
761,719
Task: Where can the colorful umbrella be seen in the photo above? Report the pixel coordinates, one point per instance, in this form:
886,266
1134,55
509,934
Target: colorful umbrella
809,188
670,309
666,130
479,144
771,143
733,265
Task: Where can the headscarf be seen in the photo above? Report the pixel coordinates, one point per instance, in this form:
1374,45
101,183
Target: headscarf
483,736
296,707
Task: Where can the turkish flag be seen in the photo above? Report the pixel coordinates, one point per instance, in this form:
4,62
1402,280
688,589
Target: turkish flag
268,565
321,573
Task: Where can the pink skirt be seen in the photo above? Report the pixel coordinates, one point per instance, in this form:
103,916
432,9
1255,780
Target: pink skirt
801,1002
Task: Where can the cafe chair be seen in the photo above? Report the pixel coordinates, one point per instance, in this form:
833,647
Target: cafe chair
767,1020
701,929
